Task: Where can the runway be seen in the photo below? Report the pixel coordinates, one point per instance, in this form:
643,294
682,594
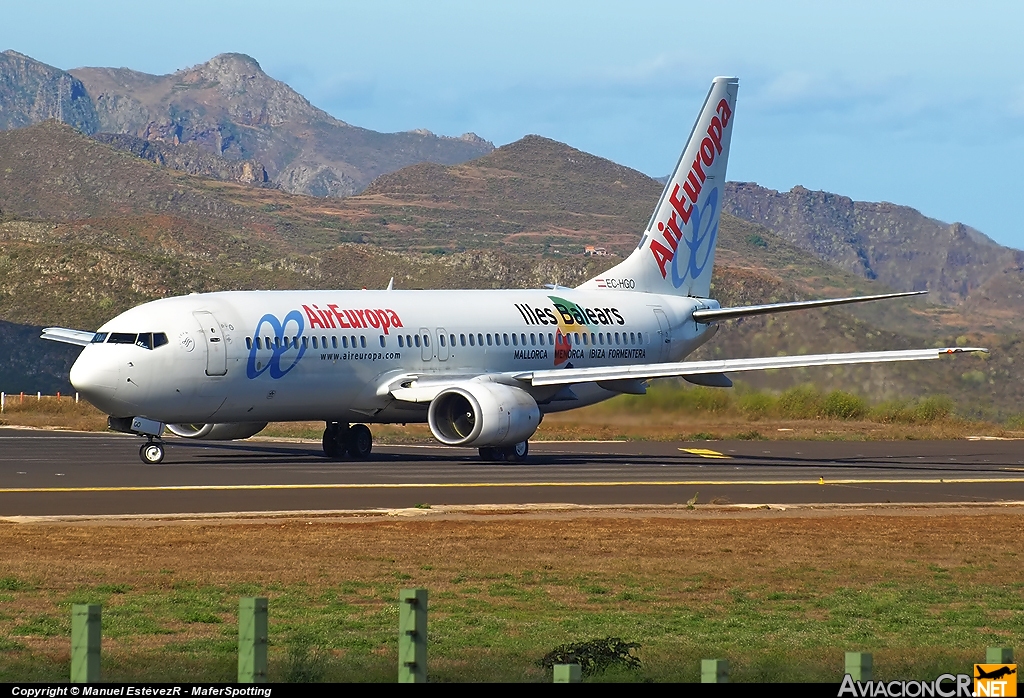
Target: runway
48,473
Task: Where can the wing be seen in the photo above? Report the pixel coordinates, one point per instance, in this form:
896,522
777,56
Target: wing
568,376
63,334
422,388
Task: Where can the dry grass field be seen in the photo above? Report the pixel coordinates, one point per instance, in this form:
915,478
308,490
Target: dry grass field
781,594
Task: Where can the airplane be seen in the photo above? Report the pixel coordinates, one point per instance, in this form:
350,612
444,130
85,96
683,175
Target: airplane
480,367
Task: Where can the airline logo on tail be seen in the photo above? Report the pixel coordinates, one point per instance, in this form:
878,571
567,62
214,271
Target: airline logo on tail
691,228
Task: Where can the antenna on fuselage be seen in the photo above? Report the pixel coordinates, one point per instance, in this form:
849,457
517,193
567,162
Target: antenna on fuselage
391,284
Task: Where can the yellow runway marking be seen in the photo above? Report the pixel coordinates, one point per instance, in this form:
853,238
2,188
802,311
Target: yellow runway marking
464,485
704,453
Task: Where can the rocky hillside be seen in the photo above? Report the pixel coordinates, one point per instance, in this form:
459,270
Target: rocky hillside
896,245
230,107
31,92
226,109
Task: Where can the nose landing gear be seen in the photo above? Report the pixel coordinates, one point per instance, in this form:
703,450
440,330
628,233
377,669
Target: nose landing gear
340,439
152,452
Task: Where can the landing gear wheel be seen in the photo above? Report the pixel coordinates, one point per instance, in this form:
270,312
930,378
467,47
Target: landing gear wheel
360,442
335,440
518,452
152,453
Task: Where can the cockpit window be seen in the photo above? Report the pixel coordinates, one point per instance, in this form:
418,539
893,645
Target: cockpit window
146,340
99,338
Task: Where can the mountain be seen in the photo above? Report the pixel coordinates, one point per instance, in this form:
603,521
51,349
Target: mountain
31,92
225,118
897,245
230,107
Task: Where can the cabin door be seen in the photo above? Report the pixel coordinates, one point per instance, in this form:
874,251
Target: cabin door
216,352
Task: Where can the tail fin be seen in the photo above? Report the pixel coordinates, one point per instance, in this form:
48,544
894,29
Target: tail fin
677,251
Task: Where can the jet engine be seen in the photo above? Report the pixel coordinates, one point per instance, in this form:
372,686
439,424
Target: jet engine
483,414
217,432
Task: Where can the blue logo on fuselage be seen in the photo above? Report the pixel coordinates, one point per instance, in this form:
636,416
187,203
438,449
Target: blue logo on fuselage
281,345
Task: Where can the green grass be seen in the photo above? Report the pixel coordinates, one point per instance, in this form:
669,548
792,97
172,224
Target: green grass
500,627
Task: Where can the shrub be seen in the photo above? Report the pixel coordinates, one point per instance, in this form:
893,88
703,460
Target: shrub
594,656
756,405
842,405
892,412
802,402
933,408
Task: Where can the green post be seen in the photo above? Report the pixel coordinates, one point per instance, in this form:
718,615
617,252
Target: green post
86,633
999,655
568,673
859,666
412,636
252,639
714,671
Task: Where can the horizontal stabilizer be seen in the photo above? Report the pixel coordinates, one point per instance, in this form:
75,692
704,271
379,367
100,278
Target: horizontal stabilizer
62,334
707,315
568,376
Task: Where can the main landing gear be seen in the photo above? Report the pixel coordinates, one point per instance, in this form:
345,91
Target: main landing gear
340,440
511,454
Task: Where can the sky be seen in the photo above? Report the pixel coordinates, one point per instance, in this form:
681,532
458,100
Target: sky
916,103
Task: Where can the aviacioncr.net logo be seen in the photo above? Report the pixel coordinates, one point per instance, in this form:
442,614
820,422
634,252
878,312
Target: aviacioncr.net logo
700,244
280,345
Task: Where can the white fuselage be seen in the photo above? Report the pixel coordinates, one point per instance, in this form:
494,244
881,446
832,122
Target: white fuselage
255,356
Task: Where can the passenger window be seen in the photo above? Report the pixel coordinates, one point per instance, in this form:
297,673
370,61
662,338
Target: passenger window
383,343
334,342
577,336
541,337
99,338
551,339
323,341
315,343
479,339
442,340
632,337
505,338
515,341
451,339
472,340
417,340
488,339
462,339
533,339
586,341
305,342
426,340
248,342
401,342
295,342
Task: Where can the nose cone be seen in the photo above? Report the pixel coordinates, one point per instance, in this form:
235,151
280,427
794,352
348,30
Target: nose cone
96,377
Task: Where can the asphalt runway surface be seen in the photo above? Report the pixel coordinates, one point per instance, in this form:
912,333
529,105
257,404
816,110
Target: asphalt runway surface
47,473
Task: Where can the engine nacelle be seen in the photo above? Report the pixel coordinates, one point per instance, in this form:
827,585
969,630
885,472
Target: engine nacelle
483,414
227,431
